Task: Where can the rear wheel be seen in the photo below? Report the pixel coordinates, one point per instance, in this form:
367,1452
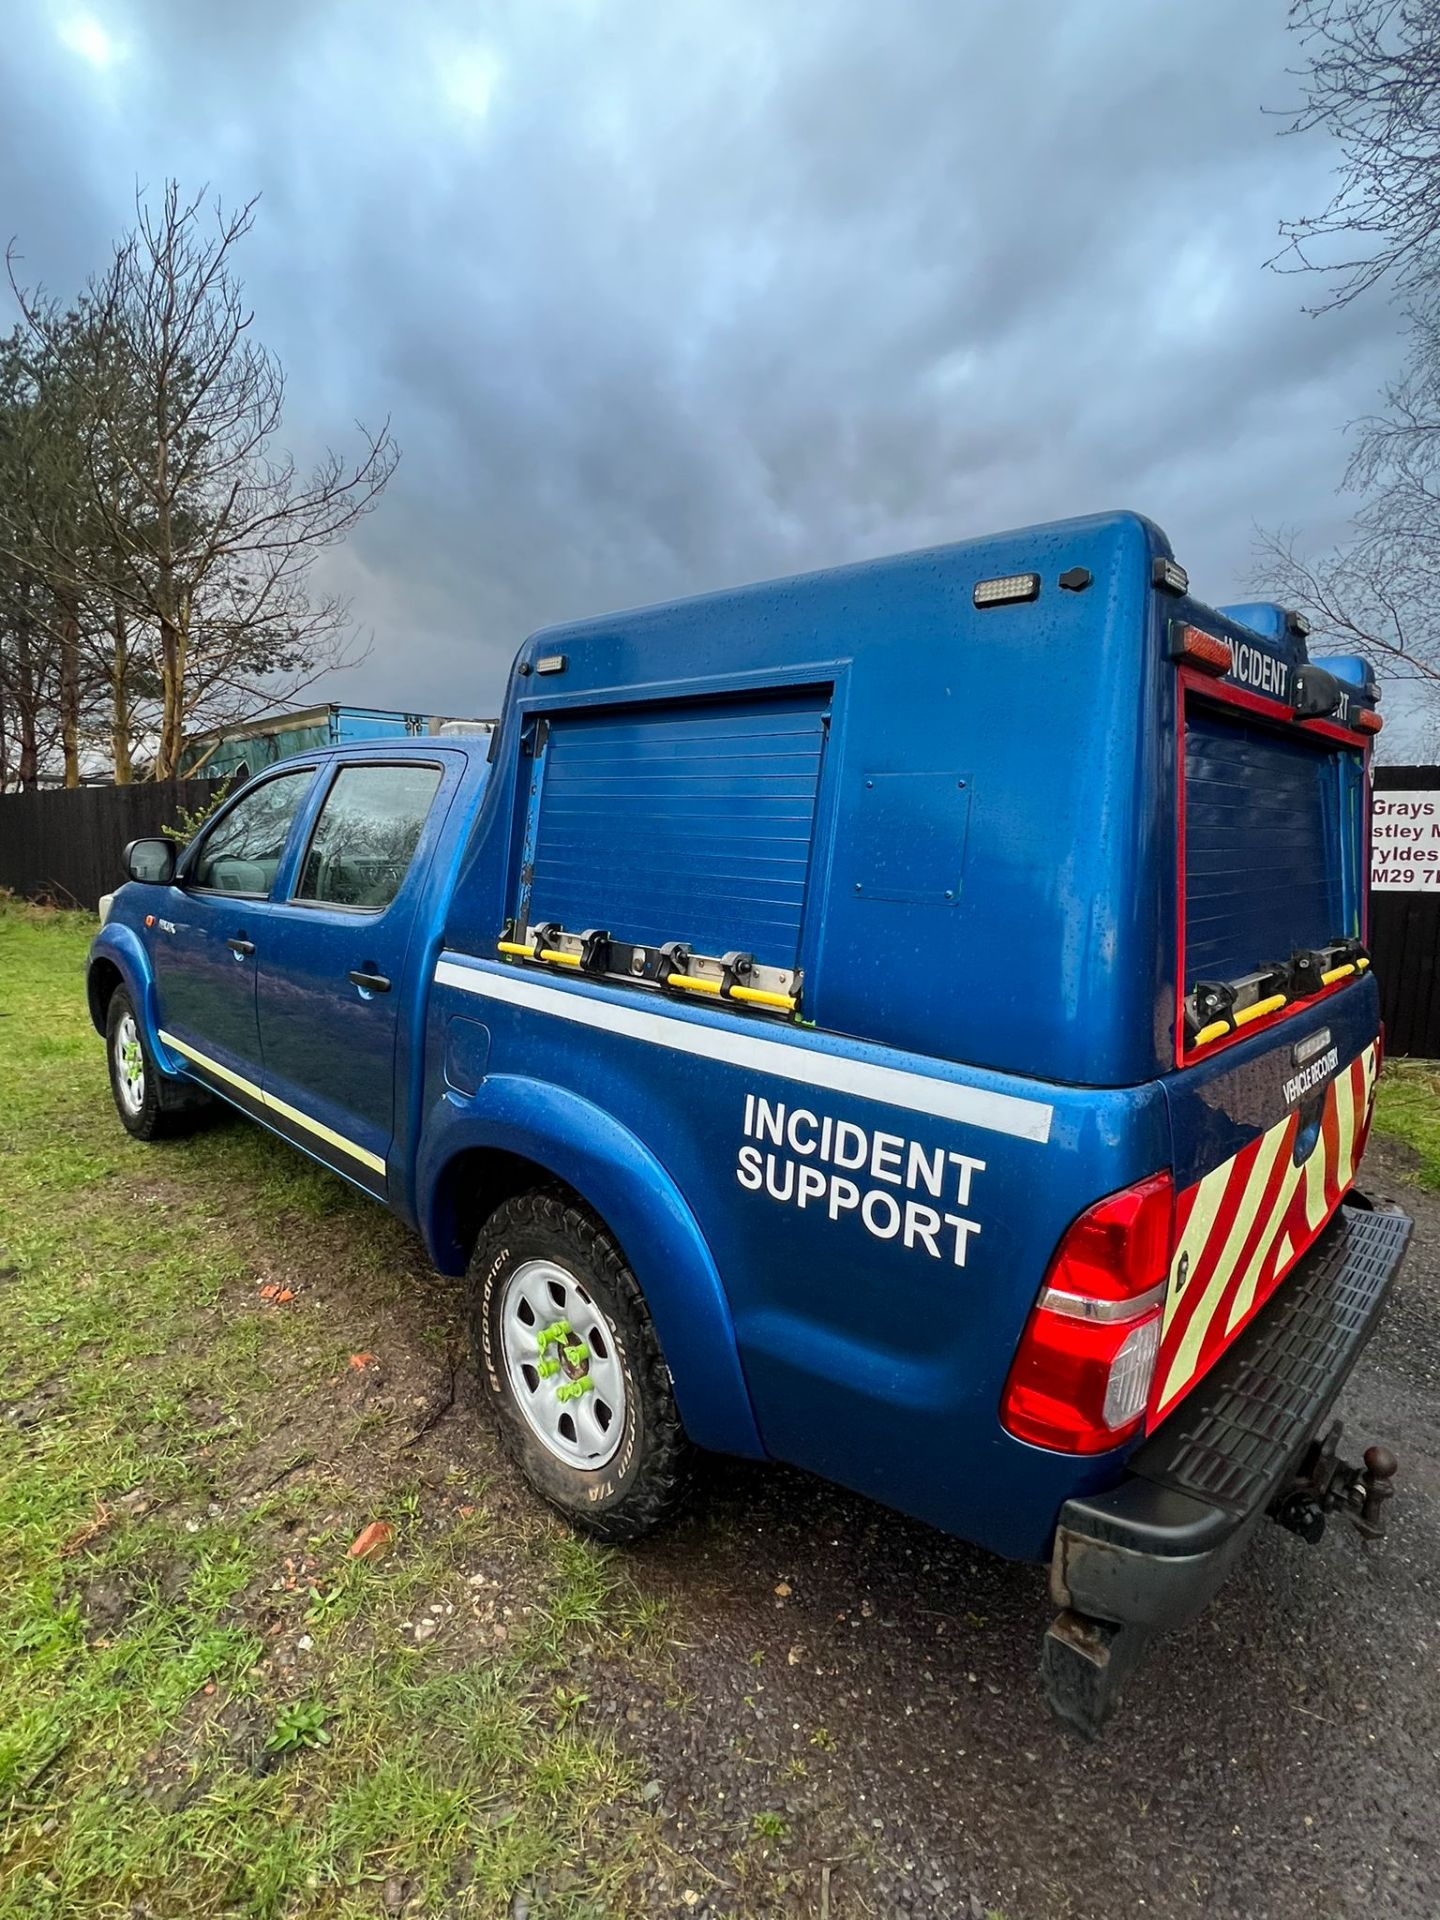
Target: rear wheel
151,1104
566,1349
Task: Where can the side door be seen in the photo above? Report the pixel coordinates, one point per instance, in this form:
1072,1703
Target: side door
203,945
332,977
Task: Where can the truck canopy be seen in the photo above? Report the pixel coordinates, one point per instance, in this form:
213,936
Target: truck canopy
970,756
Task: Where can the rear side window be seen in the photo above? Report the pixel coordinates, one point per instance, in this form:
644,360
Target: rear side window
241,853
366,836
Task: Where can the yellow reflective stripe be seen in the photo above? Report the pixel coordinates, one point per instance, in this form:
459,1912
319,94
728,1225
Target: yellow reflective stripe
1188,1352
1197,1232
213,1066
1245,1294
1344,1097
1315,1170
367,1159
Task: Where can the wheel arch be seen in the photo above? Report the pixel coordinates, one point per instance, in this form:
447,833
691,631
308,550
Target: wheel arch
117,959
514,1133
102,977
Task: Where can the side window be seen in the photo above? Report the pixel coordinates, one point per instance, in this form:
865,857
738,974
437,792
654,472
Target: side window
366,835
241,853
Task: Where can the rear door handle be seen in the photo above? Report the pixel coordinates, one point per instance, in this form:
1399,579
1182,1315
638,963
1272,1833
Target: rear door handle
241,948
372,982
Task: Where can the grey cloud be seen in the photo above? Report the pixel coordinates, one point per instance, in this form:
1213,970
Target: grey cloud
660,298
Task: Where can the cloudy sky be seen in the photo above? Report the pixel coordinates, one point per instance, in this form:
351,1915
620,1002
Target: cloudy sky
662,295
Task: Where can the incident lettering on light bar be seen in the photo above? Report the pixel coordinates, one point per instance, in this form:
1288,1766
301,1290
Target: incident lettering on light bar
1260,671
894,1187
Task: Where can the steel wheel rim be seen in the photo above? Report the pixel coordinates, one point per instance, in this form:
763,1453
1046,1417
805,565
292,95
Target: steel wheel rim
563,1364
129,1064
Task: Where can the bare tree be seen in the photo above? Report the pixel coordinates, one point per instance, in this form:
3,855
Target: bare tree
210,531
1372,80
1374,596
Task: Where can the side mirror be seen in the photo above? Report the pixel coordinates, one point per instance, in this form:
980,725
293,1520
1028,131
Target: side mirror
152,862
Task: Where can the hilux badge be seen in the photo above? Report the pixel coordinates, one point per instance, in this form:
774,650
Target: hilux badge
1307,1048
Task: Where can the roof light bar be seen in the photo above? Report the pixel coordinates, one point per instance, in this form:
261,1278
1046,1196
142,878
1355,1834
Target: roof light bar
1202,650
1170,575
1006,588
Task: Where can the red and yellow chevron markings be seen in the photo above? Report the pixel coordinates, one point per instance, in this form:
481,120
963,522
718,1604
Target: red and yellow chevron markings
1239,1231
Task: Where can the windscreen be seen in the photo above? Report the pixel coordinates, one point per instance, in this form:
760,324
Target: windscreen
1273,826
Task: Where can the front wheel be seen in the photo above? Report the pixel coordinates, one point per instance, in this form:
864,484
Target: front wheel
151,1105
566,1349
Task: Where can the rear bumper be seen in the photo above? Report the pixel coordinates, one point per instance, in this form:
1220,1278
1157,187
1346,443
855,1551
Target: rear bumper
1148,1554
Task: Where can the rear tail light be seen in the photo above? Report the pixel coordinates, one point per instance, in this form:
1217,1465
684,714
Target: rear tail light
1202,650
1081,1376
1367,722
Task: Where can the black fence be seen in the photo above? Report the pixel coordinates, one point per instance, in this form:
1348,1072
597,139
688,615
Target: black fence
1405,907
63,844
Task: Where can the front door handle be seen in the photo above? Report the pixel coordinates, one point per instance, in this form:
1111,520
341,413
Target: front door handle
371,982
241,948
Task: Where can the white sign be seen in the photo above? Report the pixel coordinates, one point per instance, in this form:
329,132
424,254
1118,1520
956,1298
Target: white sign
1405,841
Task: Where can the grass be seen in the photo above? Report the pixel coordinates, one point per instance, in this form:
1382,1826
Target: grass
1408,1109
205,1707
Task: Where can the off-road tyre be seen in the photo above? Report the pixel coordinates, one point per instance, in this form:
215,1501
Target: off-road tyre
648,1479
163,1107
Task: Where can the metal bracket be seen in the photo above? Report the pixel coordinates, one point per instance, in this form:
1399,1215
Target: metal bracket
1326,1484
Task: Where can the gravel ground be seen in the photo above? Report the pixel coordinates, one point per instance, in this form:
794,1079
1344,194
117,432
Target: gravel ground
871,1685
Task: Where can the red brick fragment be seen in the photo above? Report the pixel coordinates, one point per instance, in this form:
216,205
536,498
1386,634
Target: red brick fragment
371,1541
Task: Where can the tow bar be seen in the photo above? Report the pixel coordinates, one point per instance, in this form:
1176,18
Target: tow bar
1326,1484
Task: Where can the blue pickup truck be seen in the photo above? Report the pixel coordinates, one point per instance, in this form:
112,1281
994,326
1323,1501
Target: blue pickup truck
911,1021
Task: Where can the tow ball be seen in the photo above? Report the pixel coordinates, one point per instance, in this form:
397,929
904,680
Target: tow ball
1326,1484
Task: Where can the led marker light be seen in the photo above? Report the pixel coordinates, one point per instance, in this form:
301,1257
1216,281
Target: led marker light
1006,588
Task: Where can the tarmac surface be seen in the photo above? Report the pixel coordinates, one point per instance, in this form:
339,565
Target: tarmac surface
877,1680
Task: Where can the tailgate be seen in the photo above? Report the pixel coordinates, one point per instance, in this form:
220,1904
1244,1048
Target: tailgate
1278,1017
1267,1144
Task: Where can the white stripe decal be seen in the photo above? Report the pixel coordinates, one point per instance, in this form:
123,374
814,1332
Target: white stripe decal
786,1059
283,1107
